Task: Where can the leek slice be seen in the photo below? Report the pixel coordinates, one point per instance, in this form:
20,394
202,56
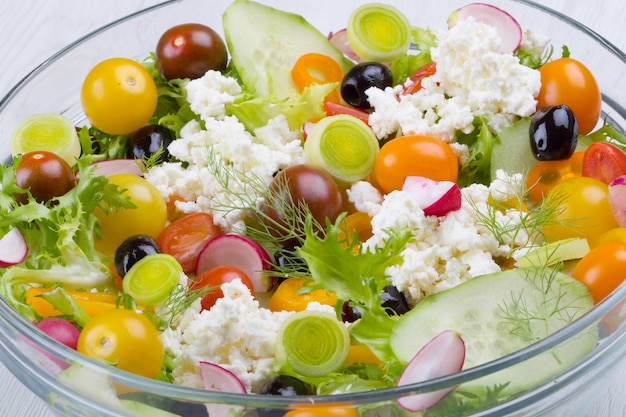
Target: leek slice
312,343
151,280
379,32
343,146
50,132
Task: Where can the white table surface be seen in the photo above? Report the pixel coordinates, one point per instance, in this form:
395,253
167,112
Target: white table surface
32,30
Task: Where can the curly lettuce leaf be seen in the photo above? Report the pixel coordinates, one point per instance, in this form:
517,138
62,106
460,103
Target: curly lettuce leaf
60,236
477,167
357,276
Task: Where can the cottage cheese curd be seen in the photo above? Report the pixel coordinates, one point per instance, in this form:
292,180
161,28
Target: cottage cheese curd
473,79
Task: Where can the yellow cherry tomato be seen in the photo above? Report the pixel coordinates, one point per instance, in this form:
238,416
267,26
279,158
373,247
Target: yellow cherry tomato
124,338
614,235
286,297
148,218
119,96
581,210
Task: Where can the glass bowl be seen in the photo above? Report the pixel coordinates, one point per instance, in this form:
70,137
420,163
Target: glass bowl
54,86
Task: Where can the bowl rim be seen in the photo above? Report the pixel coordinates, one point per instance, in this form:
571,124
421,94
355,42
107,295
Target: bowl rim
29,332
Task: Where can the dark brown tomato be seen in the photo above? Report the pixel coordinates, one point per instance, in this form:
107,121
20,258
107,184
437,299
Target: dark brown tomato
302,184
46,174
189,51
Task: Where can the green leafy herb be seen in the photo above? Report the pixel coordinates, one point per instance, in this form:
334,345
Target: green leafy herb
418,56
476,168
608,133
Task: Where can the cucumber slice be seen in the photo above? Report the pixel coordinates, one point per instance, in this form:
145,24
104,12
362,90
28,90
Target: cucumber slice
498,314
265,43
552,253
511,151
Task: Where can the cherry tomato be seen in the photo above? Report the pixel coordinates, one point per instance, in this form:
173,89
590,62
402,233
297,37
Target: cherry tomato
583,210
148,218
567,81
287,298
45,174
333,109
189,51
124,338
546,174
604,161
323,411
359,222
603,269
613,235
302,184
119,96
185,237
414,155
215,278
417,77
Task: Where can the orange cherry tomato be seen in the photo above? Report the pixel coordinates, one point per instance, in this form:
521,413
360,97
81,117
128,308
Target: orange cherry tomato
214,278
603,269
358,222
185,237
546,174
417,77
323,411
286,297
582,210
604,161
568,81
314,68
414,155
613,235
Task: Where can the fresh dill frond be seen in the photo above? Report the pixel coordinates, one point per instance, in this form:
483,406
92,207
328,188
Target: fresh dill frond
179,300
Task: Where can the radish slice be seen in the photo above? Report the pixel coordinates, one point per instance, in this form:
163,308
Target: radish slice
508,28
306,129
617,199
13,248
116,166
216,378
240,252
436,198
340,40
443,355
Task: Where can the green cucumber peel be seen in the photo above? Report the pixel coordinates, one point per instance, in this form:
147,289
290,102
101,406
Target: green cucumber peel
555,252
343,146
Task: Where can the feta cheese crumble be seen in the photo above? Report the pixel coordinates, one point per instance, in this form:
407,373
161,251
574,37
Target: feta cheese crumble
259,155
472,79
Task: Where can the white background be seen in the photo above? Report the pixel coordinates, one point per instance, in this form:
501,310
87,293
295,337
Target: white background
31,31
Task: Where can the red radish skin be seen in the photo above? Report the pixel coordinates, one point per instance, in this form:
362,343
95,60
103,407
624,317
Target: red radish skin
436,198
443,355
13,248
240,252
508,28
60,330
340,40
617,199
217,378
117,166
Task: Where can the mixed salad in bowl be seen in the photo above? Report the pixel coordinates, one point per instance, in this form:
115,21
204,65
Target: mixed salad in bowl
296,213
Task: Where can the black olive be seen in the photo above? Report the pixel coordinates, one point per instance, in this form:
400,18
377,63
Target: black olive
394,302
553,133
361,77
283,385
149,140
132,250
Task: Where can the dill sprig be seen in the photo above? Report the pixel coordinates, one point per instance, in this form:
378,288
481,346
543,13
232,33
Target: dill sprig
179,300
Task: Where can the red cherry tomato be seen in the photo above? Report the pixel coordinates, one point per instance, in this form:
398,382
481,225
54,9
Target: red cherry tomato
214,278
185,237
417,77
45,174
604,161
333,109
603,269
189,51
567,81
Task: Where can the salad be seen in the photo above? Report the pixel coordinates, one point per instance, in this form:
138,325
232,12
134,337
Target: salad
323,214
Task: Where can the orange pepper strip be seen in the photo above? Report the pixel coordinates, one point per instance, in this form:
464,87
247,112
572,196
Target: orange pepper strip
417,77
314,68
92,302
361,354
